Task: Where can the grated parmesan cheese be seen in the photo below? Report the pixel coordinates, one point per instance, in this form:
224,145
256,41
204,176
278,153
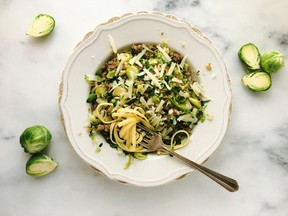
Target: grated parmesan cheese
132,60
139,63
156,71
197,88
186,118
157,120
166,56
184,94
136,59
165,131
143,101
144,89
121,81
183,62
166,84
163,66
120,66
182,43
142,73
129,84
160,106
112,43
115,84
171,69
146,103
174,79
153,78
210,117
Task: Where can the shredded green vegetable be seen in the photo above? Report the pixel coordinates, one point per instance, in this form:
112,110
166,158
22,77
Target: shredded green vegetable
156,78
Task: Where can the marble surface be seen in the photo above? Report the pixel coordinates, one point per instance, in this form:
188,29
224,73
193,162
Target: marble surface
254,150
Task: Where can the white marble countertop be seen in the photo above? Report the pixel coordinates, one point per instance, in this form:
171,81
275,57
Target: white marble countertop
254,150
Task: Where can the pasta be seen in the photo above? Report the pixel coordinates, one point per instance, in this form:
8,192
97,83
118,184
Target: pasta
147,84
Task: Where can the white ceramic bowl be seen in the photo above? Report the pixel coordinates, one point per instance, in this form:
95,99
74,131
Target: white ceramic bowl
144,27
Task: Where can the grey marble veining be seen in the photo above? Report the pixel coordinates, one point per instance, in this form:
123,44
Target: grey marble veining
172,5
254,150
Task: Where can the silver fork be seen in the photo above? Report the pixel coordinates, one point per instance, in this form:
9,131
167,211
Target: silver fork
154,142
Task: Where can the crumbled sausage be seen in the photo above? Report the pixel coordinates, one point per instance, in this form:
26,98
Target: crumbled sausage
152,47
166,108
106,127
113,64
100,127
136,48
176,112
176,57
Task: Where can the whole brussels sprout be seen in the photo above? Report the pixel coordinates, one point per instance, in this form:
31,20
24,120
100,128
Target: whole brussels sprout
34,139
272,61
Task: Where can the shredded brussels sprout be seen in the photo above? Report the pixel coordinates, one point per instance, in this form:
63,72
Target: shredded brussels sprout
152,77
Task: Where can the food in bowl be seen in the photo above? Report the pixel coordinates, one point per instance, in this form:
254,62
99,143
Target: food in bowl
147,84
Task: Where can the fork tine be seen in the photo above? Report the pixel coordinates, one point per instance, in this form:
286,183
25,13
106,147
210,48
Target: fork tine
146,140
146,129
144,143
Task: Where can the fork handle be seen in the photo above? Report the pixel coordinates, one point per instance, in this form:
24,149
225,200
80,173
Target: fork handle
226,182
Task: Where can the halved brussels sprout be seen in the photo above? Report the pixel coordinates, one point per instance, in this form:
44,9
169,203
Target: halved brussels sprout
119,91
272,61
132,72
250,56
100,90
40,165
257,81
41,25
34,139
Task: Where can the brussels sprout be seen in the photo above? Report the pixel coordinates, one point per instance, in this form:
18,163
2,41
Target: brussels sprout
132,72
257,81
111,74
92,97
34,139
91,79
272,61
185,107
250,56
119,91
40,165
195,102
101,90
41,25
